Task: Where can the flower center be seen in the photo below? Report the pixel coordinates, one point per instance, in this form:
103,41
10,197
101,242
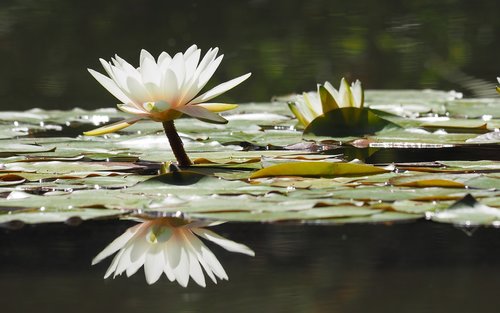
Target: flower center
159,233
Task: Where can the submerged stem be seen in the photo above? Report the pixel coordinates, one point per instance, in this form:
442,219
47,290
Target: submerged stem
176,144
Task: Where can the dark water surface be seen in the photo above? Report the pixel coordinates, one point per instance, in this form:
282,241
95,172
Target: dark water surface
416,267
288,45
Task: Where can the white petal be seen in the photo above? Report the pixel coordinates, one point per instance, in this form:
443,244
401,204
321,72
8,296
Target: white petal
117,244
110,85
150,72
208,65
139,248
207,60
207,256
219,89
195,270
313,101
135,265
202,223
127,67
178,259
167,269
107,67
196,245
191,64
120,78
178,67
154,264
201,114
138,90
125,260
344,94
207,73
164,59
357,93
332,91
113,265
145,55
305,107
227,244
190,51
131,108
169,87
212,261
154,90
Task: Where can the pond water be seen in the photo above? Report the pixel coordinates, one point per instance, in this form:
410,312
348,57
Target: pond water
416,267
289,46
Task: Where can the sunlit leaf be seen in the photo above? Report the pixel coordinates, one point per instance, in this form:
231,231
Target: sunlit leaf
318,169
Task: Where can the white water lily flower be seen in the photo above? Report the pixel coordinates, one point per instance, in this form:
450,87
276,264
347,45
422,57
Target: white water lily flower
163,89
498,87
170,246
309,105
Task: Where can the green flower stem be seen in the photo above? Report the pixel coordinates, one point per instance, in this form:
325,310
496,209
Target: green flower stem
176,144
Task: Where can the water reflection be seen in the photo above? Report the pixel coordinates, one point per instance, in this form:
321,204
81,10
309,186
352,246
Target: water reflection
171,246
412,268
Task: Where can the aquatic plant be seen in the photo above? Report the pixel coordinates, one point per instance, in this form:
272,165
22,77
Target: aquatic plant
498,87
309,105
164,89
170,246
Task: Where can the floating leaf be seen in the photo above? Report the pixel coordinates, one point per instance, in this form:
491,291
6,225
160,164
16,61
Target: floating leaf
468,212
347,122
318,169
10,148
11,180
458,126
49,216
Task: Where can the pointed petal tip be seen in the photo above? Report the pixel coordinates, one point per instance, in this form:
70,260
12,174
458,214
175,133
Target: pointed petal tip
92,72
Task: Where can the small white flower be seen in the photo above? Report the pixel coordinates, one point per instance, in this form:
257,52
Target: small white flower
498,87
309,105
163,89
170,246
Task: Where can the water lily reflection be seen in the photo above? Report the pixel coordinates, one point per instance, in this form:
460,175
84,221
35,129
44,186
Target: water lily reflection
309,105
170,246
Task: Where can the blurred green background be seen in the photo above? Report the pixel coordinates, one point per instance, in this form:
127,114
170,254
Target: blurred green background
288,45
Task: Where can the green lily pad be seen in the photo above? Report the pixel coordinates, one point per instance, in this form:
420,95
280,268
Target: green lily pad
345,122
318,169
52,216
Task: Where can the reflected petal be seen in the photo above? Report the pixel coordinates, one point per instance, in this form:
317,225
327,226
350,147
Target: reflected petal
170,246
227,244
153,266
117,244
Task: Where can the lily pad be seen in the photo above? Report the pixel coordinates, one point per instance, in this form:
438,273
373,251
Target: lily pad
345,122
318,169
468,212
